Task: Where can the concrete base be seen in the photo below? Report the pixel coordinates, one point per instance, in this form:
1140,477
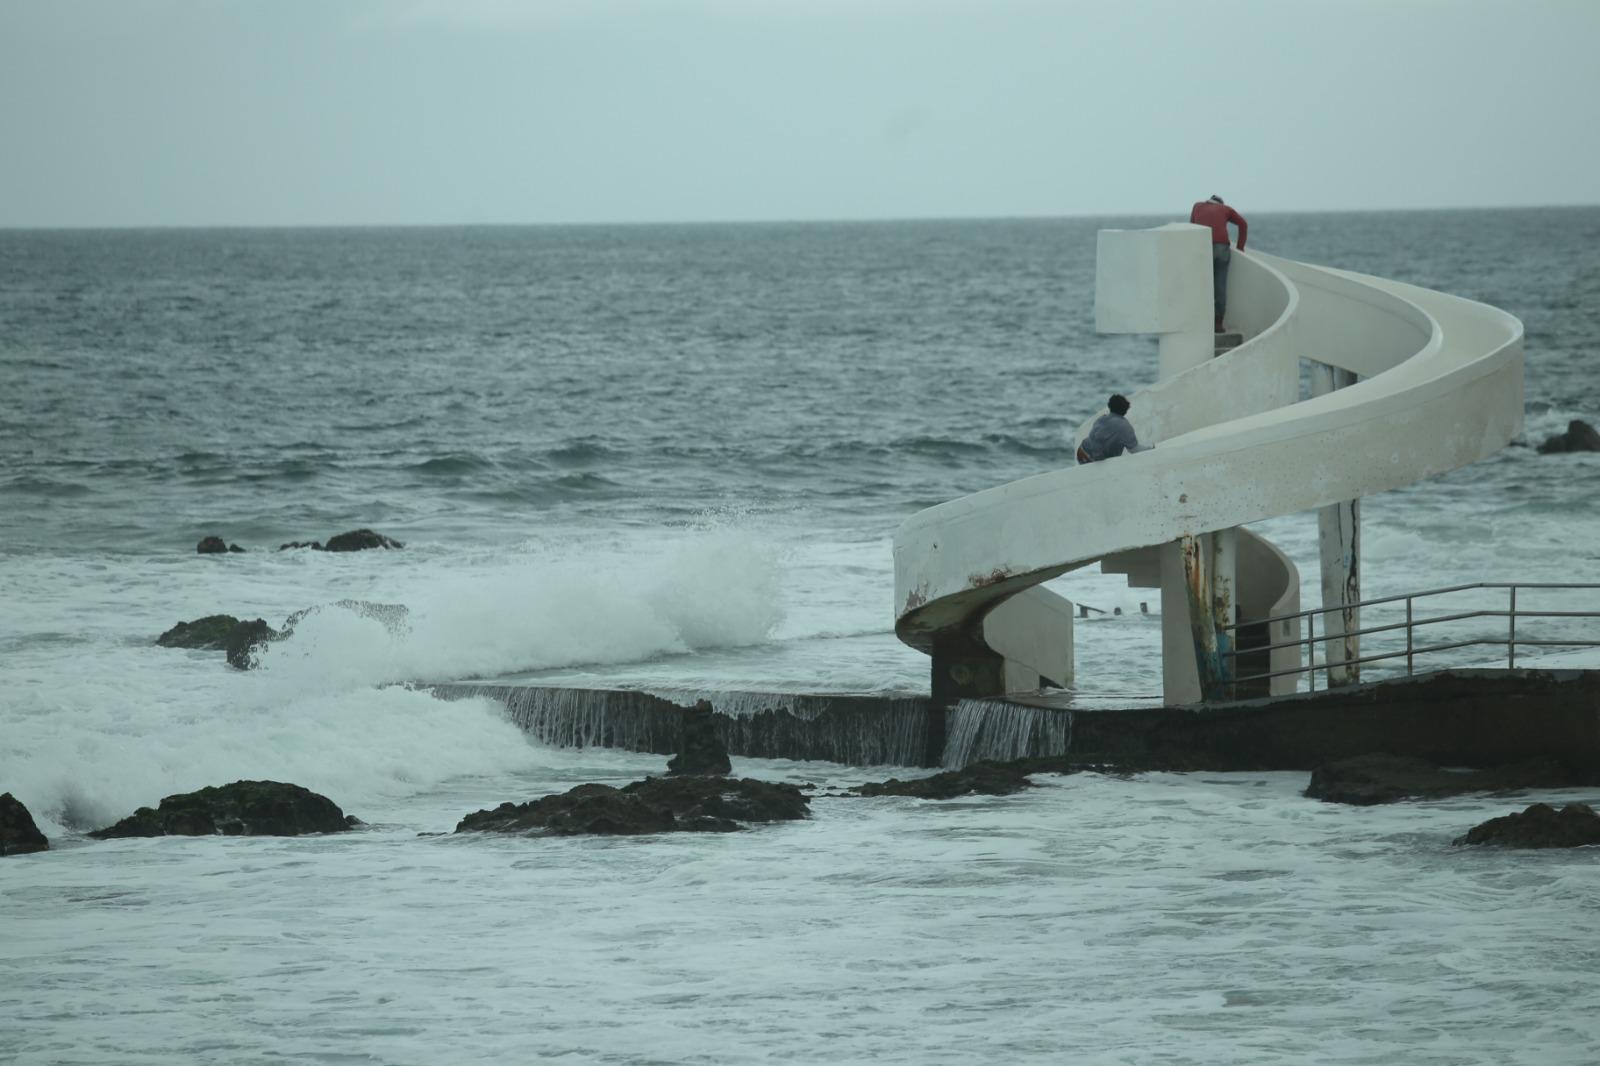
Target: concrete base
1476,718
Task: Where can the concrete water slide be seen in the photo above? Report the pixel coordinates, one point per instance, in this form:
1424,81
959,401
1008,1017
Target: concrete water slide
1407,383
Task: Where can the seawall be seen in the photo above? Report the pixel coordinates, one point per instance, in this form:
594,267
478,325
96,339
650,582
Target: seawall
1459,718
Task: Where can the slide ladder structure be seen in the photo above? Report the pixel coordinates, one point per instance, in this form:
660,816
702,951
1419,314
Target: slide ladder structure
1406,383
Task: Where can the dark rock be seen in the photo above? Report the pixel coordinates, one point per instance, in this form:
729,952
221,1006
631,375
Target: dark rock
215,546
18,834
314,545
212,631
1371,779
700,750
360,540
1579,437
654,805
244,808
1540,826
245,639
981,778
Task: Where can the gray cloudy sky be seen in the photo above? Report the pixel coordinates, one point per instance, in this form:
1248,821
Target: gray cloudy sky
274,112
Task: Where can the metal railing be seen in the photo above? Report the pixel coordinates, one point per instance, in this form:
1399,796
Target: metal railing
1309,640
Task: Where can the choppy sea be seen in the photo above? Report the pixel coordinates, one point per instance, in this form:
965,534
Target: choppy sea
673,457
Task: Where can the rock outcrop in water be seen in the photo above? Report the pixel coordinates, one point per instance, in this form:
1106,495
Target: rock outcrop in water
1372,779
700,749
215,546
1579,437
212,631
979,778
18,834
654,805
244,808
245,639
353,541
241,641
1540,826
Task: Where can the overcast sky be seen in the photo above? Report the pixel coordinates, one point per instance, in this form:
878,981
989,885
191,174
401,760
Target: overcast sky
286,112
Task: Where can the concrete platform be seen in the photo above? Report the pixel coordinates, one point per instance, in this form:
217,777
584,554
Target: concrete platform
1477,718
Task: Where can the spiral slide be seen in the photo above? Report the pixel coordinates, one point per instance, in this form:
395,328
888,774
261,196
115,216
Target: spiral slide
1430,382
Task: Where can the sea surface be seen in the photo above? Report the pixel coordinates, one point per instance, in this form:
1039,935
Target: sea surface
673,458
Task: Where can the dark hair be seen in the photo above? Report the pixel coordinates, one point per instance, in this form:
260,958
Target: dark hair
1118,404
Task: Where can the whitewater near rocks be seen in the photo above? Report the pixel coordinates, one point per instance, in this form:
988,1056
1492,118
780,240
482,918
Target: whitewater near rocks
672,459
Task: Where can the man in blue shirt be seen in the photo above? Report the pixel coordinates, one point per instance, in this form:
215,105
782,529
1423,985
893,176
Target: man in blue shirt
1111,434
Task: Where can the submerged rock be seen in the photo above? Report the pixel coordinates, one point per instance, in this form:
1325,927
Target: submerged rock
1372,779
1579,437
700,750
18,834
244,808
215,546
353,541
1540,826
979,778
360,540
654,805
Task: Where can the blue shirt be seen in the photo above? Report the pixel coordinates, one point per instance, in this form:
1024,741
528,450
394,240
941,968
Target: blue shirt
1110,436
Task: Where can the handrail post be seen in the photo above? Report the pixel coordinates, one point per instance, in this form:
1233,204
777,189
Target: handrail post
1410,635
1311,652
1511,640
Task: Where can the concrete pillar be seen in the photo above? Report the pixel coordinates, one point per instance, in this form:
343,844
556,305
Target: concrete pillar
964,669
1159,281
1339,544
1180,675
1209,573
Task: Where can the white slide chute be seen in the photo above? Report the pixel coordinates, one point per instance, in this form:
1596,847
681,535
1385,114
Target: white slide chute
1432,382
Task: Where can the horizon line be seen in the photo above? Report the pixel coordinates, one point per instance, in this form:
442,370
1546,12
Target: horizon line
821,221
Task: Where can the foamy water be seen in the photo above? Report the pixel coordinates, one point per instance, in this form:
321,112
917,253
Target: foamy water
1198,918
673,459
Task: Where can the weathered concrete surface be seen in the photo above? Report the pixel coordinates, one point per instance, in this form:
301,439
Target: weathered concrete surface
1460,718
852,729
1466,718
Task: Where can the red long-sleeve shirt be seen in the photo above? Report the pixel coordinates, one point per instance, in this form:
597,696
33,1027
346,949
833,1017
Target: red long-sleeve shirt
1217,216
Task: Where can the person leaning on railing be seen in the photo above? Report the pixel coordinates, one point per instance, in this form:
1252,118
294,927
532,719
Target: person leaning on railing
1111,434
1216,215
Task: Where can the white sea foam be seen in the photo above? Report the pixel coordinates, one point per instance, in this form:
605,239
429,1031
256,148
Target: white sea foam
713,589
1217,919
99,721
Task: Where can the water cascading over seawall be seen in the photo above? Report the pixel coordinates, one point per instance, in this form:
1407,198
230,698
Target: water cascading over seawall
856,730
991,729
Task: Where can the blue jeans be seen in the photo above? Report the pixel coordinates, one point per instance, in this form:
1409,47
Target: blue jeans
1221,254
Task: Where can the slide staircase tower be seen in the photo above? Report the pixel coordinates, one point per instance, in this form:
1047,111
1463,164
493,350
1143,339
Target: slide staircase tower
1405,383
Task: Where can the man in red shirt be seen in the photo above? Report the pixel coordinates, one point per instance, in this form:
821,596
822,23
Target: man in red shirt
1216,215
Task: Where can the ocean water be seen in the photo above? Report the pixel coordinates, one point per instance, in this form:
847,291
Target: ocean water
674,458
